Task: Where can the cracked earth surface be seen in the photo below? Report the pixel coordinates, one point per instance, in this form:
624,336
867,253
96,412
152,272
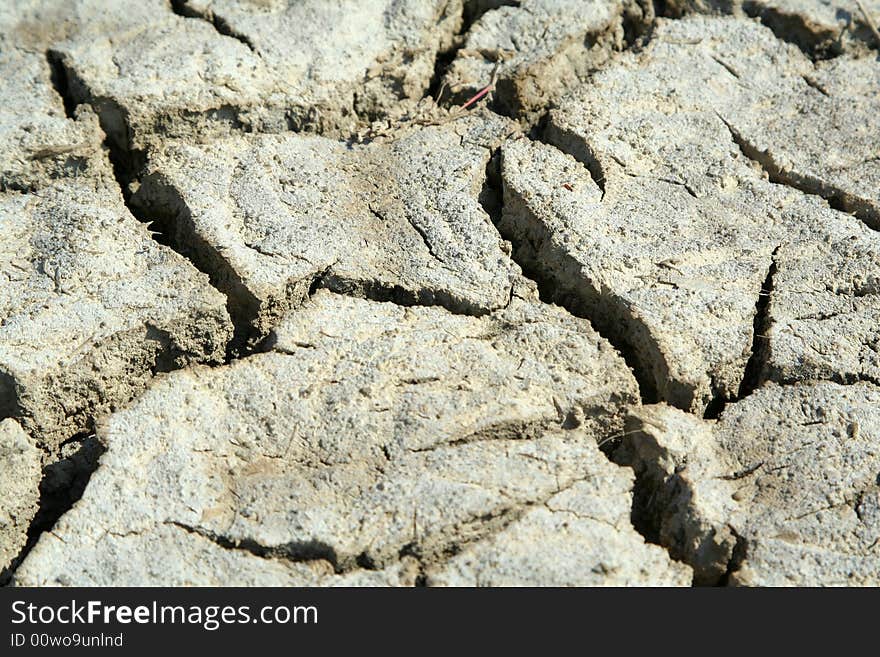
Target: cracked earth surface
278,306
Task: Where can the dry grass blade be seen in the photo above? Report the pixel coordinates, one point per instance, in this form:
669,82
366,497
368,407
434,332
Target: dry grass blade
869,19
489,88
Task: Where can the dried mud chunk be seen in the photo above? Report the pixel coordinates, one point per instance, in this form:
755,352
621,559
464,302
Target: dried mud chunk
658,222
542,49
269,216
168,77
674,287
313,65
34,25
781,490
810,126
373,431
19,489
338,60
823,28
147,72
38,142
824,311
172,553
821,144
581,536
91,307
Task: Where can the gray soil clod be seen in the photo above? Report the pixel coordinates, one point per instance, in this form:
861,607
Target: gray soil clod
822,28
19,494
273,215
370,431
92,307
208,67
782,490
38,142
679,287
542,49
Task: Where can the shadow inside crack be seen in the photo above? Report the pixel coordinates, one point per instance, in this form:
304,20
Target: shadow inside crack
62,485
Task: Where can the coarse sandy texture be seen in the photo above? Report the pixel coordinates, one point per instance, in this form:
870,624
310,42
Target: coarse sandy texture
372,432
781,490
719,230
542,48
399,218
823,28
19,495
38,142
92,307
209,67
281,303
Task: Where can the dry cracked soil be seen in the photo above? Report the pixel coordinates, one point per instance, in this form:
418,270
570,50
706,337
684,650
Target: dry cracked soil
281,304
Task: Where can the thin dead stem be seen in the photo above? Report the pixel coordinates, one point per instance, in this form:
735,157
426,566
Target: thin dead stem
870,20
